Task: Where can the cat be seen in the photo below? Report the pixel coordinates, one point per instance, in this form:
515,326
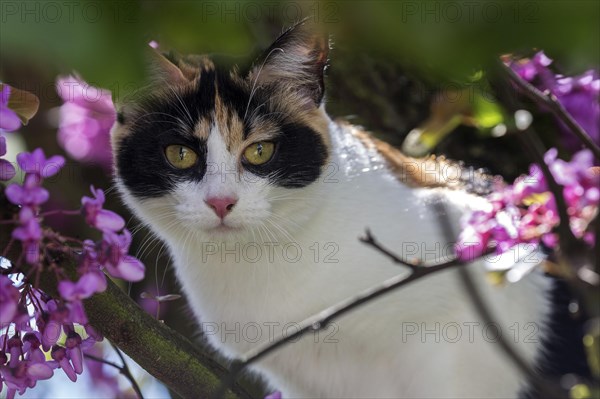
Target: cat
261,199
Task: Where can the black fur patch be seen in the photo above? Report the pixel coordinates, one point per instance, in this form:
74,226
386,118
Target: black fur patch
144,167
121,118
299,155
562,350
233,95
165,121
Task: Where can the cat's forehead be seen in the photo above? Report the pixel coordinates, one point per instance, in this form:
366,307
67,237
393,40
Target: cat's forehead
218,100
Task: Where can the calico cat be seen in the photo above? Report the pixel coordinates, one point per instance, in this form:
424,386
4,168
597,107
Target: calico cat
261,198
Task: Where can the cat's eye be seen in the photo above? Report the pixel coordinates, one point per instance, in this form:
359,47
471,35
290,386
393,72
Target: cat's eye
180,156
259,153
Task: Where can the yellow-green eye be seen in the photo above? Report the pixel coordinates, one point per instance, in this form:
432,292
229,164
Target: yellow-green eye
181,156
259,153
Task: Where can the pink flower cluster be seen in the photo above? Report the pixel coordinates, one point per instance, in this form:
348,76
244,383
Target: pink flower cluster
579,95
526,212
33,323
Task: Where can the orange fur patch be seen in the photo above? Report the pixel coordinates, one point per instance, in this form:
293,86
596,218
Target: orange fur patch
431,171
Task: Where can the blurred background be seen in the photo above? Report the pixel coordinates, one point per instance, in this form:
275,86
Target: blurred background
396,67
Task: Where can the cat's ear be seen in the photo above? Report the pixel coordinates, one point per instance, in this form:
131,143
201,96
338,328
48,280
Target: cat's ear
166,68
296,62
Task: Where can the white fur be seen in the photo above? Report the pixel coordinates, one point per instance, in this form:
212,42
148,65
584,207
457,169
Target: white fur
374,355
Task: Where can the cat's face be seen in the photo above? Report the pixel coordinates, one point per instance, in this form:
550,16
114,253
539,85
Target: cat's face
210,151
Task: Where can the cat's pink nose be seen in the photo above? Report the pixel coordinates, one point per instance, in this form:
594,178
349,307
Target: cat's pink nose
221,205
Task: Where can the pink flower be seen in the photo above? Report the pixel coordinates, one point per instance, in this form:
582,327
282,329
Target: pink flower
9,299
115,259
87,285
26,366
29,194
97,217
7,170
31,347
59,354
29,233
579,95
86,118
36,163
73,345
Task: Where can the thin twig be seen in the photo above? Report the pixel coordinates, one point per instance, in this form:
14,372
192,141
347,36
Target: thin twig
322,319
127,373
65,212
547,388
370,240
124,370
555,106
101,360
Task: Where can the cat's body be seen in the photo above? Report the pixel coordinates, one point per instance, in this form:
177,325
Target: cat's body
257,251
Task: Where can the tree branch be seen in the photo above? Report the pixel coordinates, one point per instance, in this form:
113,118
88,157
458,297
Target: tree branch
555,106
164,353
161,351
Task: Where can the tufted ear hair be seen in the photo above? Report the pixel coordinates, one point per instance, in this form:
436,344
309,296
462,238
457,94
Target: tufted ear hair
170,68
295,62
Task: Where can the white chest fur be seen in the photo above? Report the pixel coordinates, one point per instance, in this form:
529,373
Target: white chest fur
423,341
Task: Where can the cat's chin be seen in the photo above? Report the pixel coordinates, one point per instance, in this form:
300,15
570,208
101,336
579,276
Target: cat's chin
225,231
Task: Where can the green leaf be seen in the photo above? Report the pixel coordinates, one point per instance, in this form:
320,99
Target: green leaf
486,113
24,103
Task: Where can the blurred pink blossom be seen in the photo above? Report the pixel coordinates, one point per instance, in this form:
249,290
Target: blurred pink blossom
86,118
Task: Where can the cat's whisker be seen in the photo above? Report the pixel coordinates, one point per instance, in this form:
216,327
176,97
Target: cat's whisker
152,239
148,241
184,107
290,197
271,233
285,233
110,190
287,220
162,281
253,89
175,119
146,246
252,230
158,255
254,116
139,227
261,229
272,113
